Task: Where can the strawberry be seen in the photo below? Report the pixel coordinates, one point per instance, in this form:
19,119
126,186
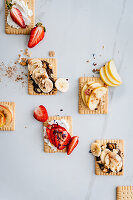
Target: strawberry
62,137
36,35
73,143
16,15
40,114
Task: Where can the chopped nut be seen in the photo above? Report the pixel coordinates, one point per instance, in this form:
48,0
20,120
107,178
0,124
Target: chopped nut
111,146
23,62
46,137
50,66
27,53
103,147
38,90
105,170
51,53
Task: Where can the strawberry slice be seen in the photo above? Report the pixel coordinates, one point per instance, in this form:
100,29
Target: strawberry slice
36,35
40,114
49,134
62,137
73,143
16,15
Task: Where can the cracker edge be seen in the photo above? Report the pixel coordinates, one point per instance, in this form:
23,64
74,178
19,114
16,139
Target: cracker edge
11,106
98,171
11,30
81,107
30,86
121,189
47,149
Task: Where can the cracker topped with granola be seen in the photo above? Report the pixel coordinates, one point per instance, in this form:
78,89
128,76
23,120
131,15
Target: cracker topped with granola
108,156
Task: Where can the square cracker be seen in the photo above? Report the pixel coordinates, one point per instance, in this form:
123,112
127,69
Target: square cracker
47,149
124,193
11,106
83,109
120,143
24,31
31,91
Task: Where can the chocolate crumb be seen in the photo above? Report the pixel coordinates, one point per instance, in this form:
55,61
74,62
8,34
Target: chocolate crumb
94,64
61,110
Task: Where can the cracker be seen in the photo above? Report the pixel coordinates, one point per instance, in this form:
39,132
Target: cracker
31,91
11,106
124,193
120,143
26,31
83,109
47,149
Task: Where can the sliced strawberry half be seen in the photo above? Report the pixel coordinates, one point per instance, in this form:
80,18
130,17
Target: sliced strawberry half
62,137
16,15
36,35
73,143
40,114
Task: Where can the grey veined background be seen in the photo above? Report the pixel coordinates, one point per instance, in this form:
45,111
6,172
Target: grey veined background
75,30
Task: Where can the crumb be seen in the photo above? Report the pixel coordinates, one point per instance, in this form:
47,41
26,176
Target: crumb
93,55
96,70
87,61
27,53
24,62
103,46
25,127
66,79
94,64
61,110
51,53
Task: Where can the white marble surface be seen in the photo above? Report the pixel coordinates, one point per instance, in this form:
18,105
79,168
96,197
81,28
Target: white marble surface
75,30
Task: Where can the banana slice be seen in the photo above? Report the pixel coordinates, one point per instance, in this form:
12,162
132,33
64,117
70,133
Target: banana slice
104,154
46,85
90,89
33,64
96,149
113,161
62,85
38,72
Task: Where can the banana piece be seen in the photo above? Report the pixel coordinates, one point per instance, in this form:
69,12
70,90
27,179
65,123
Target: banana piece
96,149
103,155
113,161
62,85
33,64
38,72
46,85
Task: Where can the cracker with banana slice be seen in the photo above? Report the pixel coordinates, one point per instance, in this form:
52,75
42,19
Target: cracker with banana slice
7,116
42,74
93,96
109,157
